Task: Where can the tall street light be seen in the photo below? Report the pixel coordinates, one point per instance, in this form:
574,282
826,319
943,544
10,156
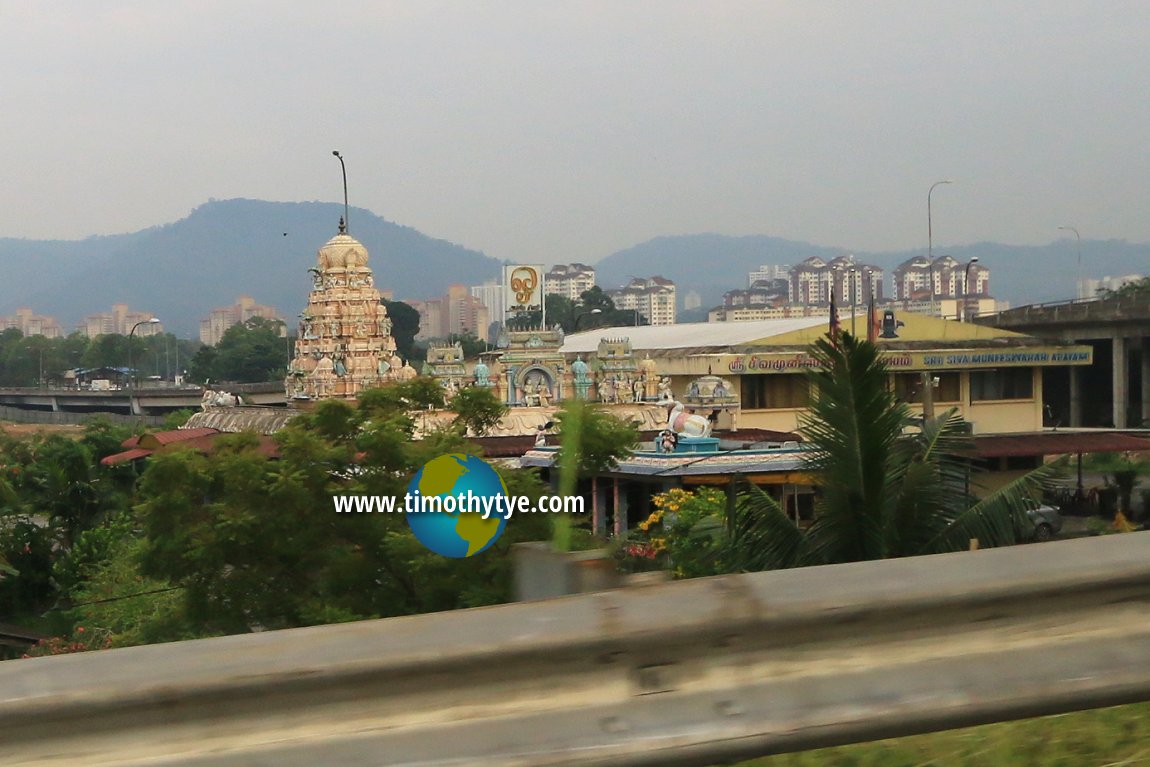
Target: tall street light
346,217
966,288
930,238
1078,237
131,333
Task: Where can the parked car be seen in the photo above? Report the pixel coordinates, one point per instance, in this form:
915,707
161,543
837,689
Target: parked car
1047,521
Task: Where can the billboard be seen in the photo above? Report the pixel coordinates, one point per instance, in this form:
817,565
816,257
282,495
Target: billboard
523,287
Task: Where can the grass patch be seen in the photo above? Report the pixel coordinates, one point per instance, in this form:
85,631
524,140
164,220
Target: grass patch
1105,737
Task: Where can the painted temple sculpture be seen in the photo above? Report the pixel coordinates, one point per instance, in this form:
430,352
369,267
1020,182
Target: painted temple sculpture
344,344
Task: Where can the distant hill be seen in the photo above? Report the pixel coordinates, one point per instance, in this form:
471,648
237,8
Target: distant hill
713,264
227,248
223,249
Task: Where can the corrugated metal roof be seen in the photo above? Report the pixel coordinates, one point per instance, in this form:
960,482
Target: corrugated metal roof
688,335
1057,443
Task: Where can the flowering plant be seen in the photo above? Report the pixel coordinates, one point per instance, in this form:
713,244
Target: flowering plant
684,533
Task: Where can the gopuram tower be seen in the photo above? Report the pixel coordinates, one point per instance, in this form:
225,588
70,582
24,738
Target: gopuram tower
344,344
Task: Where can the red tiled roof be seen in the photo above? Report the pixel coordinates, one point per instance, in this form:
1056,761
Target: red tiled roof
182,435
1057,443
125,457
200,440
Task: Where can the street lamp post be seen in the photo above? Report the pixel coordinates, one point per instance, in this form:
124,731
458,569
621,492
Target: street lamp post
131,333
966,288
1078,238
930,238
346,216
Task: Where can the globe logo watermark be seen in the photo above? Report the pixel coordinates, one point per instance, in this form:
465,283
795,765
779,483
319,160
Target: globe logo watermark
450,503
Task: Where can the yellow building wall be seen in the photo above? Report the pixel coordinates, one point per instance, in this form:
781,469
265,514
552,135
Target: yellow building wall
989,417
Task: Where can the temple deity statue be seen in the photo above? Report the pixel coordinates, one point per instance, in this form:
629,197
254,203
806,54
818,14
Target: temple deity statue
482,374
582,373
650,378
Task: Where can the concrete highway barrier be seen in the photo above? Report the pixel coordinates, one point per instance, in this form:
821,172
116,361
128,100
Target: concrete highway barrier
690,673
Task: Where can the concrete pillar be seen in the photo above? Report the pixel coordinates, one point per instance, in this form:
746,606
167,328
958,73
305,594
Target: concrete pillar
598,506
1076,395
1120,383
620,508
1145,381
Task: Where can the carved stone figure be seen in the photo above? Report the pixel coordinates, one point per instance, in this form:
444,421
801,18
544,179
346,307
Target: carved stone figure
607,390
450,389
623,389
665,390
531,393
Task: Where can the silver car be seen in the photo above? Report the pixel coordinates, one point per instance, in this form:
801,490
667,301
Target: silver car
1046,521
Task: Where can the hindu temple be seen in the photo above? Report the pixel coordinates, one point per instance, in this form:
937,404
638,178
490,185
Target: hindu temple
344,344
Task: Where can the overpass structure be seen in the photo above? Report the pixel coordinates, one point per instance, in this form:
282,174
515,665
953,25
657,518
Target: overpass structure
144,400
1119,326
696,672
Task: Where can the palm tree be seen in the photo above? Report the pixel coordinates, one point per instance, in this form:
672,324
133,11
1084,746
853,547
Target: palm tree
890,485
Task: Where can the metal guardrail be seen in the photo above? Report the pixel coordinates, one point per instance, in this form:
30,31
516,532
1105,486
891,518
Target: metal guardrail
689,673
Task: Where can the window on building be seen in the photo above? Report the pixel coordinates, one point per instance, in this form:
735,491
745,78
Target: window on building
1007,383
774,391
908,387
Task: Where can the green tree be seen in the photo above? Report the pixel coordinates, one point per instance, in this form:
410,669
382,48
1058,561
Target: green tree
477,410
404,325
885,488
202,366
252,351
254,543
591,442
110,350
1139,288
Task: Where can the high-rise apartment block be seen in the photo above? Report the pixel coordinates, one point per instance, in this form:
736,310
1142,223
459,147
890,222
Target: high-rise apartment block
651,297
569,280
32,324
768,272
493,295
120,320
814,280
219,320
457,312
913,278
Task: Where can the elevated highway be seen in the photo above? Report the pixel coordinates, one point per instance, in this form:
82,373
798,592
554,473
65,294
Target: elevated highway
145,400
1119,329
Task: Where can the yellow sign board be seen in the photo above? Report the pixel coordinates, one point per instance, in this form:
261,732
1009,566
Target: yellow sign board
961,359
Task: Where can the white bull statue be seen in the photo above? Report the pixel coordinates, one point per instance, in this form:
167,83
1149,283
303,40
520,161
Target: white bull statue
687,424
219,399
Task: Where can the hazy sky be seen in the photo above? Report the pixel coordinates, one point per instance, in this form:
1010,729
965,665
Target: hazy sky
559,131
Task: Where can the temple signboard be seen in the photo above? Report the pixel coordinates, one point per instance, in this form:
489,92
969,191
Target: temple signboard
968,359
